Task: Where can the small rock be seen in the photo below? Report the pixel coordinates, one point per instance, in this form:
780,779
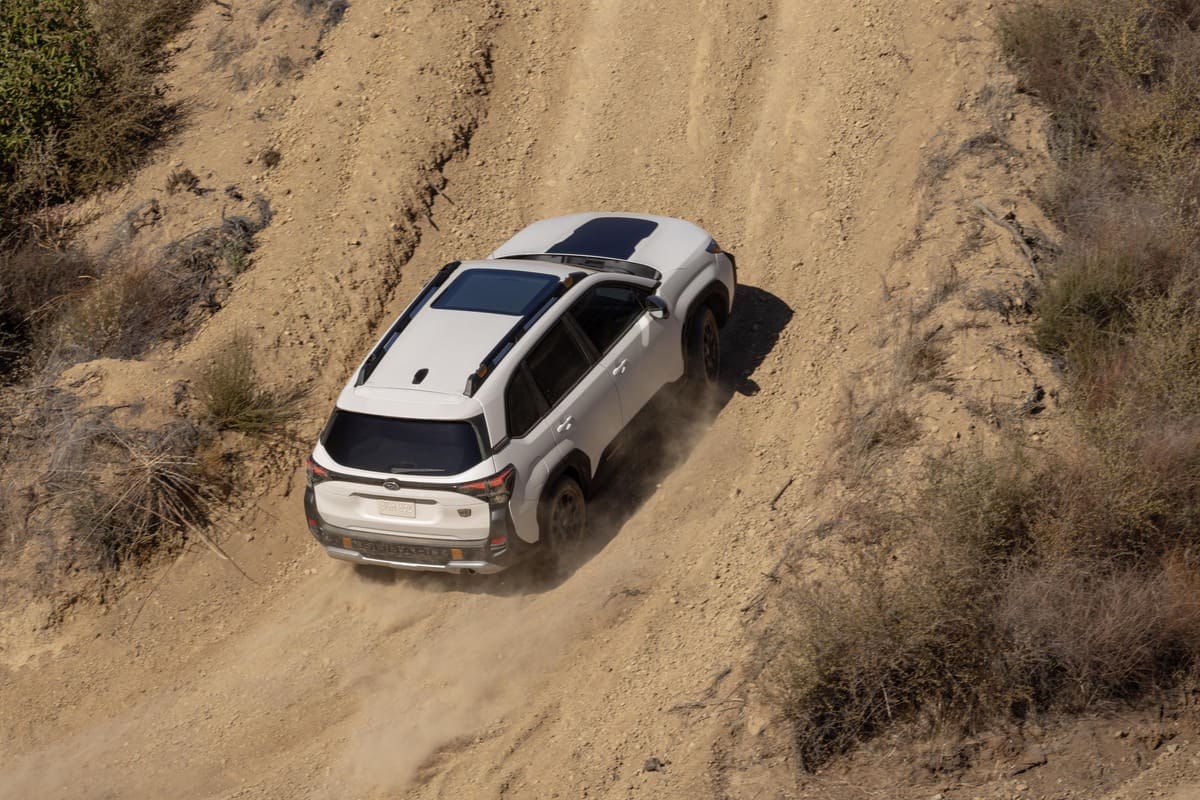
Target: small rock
654,765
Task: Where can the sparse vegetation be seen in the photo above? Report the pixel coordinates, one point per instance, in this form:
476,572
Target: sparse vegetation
234,398
1062,579
182,179
118,315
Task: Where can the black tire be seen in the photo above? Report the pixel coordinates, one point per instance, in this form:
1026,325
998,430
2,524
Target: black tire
702,350
562,516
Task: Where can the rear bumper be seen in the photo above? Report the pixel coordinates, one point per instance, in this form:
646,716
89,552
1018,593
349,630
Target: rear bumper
496,553
469,567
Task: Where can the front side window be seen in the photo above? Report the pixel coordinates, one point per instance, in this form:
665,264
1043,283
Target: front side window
402,446
557,363
607,311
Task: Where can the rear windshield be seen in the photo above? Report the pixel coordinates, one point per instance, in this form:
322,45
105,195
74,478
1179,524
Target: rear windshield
401,446
495,291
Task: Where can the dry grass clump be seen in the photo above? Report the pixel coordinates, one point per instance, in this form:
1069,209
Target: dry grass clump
67,307
871,423
142,491
233,397
97,492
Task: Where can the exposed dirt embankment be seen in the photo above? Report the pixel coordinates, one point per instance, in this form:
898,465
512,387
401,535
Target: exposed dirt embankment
410,134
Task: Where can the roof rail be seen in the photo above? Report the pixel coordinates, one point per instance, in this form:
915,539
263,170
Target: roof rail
595,262
400,324
539,306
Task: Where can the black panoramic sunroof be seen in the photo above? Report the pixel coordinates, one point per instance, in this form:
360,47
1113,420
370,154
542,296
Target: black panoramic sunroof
605,237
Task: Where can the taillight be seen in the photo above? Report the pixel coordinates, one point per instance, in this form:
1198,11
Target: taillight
496,489
314,472
713,247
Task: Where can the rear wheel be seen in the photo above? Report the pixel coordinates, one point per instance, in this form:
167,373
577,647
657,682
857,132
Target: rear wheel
563,516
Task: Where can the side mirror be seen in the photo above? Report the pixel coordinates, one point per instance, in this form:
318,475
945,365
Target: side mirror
657,307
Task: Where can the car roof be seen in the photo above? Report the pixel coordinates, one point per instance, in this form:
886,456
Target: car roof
424,372
662,243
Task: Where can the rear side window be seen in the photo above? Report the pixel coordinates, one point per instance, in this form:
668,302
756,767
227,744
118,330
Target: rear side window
402,446
523,403
496,291
606,312
556,363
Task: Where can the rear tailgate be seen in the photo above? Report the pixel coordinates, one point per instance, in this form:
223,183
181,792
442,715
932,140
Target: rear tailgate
411,511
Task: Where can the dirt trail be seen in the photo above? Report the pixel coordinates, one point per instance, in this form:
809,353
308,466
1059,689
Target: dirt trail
434,130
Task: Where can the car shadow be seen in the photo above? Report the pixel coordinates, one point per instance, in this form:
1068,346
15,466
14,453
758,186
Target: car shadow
653,445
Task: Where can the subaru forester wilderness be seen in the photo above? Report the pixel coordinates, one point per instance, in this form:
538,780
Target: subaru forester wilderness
474,428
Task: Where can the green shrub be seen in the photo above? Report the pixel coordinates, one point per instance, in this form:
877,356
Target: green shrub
48,53
80,99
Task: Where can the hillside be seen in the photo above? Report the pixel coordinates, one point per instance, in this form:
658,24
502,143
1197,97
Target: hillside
839,149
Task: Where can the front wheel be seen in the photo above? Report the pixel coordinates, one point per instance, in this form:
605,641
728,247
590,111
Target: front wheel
702,352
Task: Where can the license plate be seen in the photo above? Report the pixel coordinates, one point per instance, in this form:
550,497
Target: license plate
397,508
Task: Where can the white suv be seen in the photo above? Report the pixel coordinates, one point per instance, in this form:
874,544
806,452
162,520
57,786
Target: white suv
476,425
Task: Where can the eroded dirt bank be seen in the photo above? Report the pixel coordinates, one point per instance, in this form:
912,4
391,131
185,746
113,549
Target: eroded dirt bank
798,133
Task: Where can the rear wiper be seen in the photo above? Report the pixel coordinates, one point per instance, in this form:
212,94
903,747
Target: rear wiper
416,470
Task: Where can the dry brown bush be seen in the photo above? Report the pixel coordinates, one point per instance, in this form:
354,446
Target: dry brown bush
1121,254
121,314
1010,586
34,281
1078,634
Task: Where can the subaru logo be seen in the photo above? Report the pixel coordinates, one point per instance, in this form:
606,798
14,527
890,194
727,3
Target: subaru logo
392,484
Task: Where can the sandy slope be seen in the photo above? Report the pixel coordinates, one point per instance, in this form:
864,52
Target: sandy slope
431,130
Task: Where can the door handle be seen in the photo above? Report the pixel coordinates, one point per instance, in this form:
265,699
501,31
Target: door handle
619,369
565,425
